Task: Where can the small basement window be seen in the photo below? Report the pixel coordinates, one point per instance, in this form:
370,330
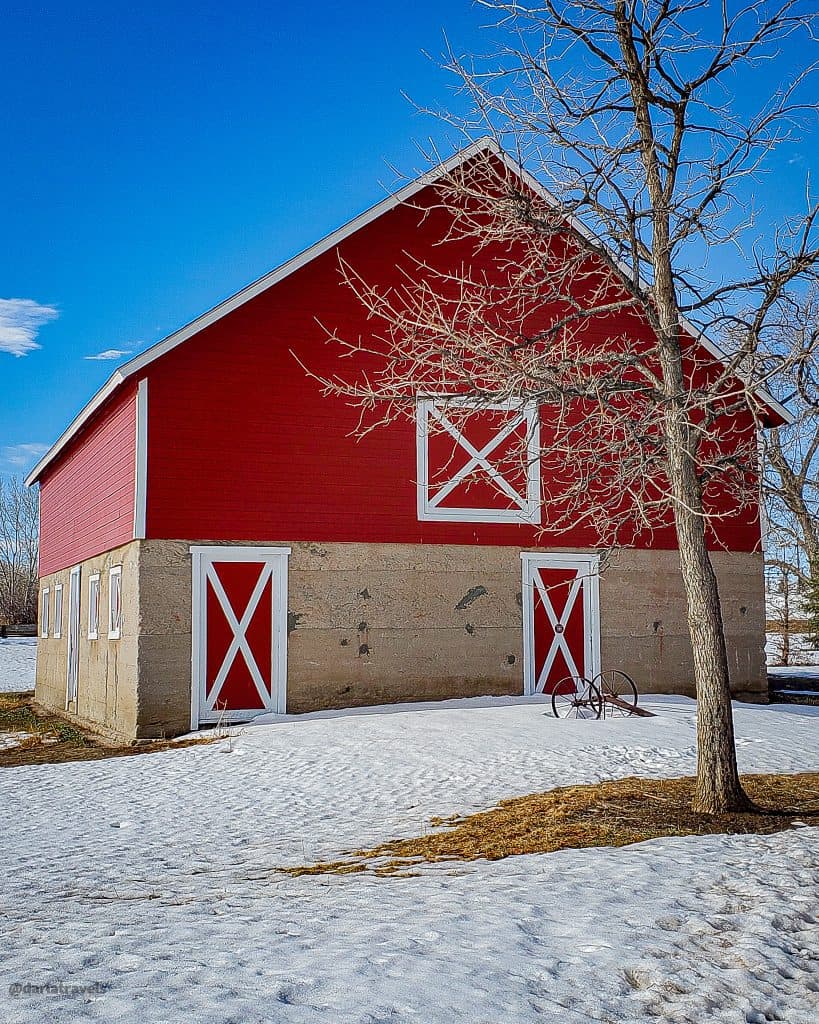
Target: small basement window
94,606
477,462
45,607
58,610
115,602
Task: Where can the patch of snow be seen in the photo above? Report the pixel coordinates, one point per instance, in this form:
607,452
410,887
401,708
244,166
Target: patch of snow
183,916
775,604
10,740
18,660
802,649
794,671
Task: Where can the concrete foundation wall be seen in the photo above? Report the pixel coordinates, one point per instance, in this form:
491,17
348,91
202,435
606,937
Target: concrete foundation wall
165,638
106,692
644,629
376,623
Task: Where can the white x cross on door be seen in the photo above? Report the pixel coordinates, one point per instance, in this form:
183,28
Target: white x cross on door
561,632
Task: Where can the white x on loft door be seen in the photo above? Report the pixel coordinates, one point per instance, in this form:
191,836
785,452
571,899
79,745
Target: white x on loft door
511,449
239,636
561,622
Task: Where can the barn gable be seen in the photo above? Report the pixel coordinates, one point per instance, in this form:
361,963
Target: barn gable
140,362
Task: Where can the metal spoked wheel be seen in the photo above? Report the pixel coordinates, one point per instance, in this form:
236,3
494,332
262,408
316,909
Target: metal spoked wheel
618,693
576,697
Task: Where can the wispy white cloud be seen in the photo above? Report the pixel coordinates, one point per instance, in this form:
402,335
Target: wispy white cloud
16,457
20,320
111,353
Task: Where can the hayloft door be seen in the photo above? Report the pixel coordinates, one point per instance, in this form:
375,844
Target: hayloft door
561,619
239,633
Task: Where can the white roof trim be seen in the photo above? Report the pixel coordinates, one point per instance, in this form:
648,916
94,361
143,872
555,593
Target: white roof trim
105,391
142,360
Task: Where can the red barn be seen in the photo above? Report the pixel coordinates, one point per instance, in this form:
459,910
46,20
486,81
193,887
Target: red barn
216,543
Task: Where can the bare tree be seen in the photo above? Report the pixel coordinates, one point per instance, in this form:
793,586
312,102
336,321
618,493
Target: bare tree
791,454
19,527
783,622
593,287
791,485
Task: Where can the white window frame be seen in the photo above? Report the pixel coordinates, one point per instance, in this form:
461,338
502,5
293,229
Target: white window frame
114,631
45,607
428,507
58,611
94,605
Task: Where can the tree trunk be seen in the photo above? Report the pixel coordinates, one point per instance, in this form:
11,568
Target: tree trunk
718,788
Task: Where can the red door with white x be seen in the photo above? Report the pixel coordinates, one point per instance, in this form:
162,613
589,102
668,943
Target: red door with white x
239,633
561,630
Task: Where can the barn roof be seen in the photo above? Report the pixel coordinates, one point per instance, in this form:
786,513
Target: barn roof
139,362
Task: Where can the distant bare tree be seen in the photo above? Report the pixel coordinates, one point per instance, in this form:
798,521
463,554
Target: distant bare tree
19,527
783,621
630,114
791,455
791,485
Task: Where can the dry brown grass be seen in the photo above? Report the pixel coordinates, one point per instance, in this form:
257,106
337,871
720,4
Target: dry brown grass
615,813
54,740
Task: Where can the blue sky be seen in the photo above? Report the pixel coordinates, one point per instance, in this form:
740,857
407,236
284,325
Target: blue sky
158,158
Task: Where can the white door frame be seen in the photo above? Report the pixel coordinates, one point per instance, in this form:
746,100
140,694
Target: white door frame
201,558
588,564
73,635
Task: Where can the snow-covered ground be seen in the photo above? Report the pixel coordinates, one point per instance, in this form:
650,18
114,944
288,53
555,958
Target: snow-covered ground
799,680
775,603
802,650
18,658
153,878
793,671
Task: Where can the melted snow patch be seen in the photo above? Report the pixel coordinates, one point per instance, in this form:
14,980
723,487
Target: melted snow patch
10,740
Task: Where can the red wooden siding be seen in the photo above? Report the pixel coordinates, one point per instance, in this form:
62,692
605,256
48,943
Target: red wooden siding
87,495
243,446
